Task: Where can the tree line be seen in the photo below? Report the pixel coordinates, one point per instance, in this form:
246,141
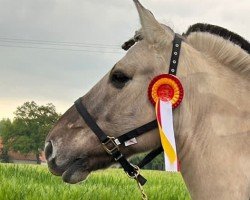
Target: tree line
26,133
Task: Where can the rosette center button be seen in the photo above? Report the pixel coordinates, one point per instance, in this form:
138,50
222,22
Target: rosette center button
165,92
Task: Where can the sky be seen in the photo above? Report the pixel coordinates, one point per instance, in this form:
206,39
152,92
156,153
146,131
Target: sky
54,51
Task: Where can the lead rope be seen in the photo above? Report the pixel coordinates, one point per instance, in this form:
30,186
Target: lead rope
143,194
135,176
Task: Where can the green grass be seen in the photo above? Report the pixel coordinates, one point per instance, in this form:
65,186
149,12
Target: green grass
31,182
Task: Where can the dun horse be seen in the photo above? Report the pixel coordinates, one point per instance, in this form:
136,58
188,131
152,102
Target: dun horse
212,125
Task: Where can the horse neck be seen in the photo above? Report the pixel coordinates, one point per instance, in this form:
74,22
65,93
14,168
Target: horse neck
223,51
211,101
214,114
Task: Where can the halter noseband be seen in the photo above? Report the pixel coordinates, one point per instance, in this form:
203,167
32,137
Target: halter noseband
111,144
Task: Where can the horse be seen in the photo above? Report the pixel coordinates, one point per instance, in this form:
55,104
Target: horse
212,124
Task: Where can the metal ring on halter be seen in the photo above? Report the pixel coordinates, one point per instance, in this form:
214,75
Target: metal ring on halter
137,169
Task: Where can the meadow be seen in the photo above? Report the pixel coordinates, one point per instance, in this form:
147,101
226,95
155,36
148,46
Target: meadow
33,182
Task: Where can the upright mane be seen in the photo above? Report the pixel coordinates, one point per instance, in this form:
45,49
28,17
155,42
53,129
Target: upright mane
226,47
222,32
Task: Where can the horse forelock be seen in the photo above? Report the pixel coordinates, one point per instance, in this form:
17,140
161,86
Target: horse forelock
138,36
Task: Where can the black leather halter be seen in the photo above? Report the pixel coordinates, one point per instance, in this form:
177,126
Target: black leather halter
111,144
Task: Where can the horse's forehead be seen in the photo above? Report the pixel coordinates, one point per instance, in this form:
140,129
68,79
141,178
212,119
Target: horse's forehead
139,56
139,49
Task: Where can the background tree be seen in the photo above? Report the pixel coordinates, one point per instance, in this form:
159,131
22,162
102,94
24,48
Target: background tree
5,127
29,128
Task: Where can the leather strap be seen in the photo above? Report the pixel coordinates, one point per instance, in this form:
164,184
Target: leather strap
150,156
90,121
175,55
137,132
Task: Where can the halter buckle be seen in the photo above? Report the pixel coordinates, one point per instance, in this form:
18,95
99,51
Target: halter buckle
110,145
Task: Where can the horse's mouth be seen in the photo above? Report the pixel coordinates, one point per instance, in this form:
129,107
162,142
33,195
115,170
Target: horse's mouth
76,172
73,172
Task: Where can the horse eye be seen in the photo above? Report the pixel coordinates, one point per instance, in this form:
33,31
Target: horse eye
119,79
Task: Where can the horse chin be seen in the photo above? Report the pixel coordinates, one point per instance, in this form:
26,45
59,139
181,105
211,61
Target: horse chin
73,177
76,173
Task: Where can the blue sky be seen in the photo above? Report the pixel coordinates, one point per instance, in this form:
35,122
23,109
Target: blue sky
60,76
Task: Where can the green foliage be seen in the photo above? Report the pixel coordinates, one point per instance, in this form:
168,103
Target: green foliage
4,157
27,182
5,127
29,128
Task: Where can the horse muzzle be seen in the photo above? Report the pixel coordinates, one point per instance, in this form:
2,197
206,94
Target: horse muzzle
71,170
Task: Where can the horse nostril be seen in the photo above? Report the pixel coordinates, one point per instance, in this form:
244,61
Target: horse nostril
48,150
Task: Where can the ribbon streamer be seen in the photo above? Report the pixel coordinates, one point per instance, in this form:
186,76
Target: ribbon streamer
164,116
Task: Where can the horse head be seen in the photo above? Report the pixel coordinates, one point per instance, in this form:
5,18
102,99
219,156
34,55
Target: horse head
118,103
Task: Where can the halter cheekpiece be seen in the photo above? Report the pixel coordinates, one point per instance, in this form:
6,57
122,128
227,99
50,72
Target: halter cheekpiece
111,144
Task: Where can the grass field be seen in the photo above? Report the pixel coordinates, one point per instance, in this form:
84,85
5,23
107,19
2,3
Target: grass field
31,182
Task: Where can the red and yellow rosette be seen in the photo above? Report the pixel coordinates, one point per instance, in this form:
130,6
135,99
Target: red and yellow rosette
166,92
166,87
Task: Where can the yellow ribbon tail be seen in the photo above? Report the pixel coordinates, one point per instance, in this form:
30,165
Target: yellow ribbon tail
167,147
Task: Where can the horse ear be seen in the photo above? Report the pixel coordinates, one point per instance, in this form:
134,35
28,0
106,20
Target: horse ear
152,30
